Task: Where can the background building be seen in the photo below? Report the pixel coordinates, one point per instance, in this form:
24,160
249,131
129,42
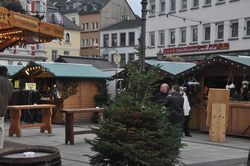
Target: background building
195,30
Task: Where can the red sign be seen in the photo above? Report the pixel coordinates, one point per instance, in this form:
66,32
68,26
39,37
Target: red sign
209,47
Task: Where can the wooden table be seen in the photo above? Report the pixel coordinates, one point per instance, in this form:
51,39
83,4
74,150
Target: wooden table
15,115
69,123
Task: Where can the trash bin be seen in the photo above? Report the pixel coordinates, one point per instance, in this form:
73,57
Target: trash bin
37,156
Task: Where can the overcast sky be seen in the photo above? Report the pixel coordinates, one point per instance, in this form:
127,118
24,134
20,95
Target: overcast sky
136,6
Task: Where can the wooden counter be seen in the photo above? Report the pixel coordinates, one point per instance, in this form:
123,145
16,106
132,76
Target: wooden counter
15,115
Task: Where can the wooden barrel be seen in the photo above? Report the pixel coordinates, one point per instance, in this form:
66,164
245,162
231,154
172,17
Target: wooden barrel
44,156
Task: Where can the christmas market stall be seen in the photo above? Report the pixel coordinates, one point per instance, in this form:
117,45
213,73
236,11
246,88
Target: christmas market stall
222,72
67,86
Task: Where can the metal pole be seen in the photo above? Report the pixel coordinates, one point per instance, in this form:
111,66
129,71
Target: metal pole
143,33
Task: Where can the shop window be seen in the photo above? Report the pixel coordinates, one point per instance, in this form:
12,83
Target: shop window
106,40
162,7
172,5
194,33
183,35
131,38
114,40
162,38
207,32
152,39
234,29
123,39
220,30
172,36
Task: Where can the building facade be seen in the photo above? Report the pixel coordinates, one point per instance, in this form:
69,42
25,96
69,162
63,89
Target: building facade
120,39
198,29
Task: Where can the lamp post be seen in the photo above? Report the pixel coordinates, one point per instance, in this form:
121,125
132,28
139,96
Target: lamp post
160,55
143,33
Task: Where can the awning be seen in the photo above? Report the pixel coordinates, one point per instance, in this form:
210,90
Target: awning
20,29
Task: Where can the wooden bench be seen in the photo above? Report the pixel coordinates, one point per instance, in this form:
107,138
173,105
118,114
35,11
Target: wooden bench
15,115
69,122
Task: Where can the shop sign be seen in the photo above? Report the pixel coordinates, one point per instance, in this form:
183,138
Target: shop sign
30,86
202,48
4,15
52,30
25,22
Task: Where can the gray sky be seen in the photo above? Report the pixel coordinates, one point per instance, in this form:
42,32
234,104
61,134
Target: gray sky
136,6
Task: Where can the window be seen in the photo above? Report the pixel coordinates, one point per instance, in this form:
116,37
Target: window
131,38
131,57
162,38
207,32
74,20
248,27
152,39
38,6
195,3
173,5
22,46
123,39
221,0
184,4
194,34
66,52
106,40
85,26
123,60
162,7
38,47
67,38
172,36
54,55
114,40
220,30
207,2
234,29
153,9
183,35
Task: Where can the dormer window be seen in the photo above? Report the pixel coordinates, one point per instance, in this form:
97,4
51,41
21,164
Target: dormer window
94,6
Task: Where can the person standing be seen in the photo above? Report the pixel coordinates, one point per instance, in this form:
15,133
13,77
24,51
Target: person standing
187,108
6,90
175,103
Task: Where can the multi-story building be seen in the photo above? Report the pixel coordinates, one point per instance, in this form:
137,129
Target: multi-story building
92,16
198,29
120,39
70,45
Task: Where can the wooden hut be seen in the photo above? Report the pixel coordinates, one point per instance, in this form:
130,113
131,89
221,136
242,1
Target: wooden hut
72,86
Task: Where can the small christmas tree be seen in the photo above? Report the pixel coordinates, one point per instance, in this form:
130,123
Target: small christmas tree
136,131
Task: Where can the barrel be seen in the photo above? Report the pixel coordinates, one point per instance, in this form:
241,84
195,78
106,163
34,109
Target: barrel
44,156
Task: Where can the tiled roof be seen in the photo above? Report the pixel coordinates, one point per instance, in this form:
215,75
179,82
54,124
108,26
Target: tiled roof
126,24
96,62
68,24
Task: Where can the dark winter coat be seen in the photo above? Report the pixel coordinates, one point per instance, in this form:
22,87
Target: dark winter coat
175,103
6,90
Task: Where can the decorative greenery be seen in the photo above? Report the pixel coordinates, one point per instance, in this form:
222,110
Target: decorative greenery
67,87
136,131
103,98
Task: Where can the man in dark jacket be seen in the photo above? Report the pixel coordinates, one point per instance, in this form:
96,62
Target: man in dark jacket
6,90
175,103
160,97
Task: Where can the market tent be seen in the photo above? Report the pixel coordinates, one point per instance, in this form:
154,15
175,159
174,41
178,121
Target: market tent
62,70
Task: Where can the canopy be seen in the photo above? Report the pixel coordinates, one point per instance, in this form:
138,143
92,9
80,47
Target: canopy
19,29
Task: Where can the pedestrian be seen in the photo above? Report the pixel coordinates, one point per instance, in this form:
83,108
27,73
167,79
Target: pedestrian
6,90
175,103
187,108
160,97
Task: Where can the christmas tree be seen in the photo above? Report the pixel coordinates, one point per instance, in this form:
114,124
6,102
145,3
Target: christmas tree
136,131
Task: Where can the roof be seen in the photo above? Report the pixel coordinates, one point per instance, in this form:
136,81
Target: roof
173,68
13,69
96,62
68,24
74,70
126,24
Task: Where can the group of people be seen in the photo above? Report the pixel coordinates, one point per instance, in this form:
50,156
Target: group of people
177,101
